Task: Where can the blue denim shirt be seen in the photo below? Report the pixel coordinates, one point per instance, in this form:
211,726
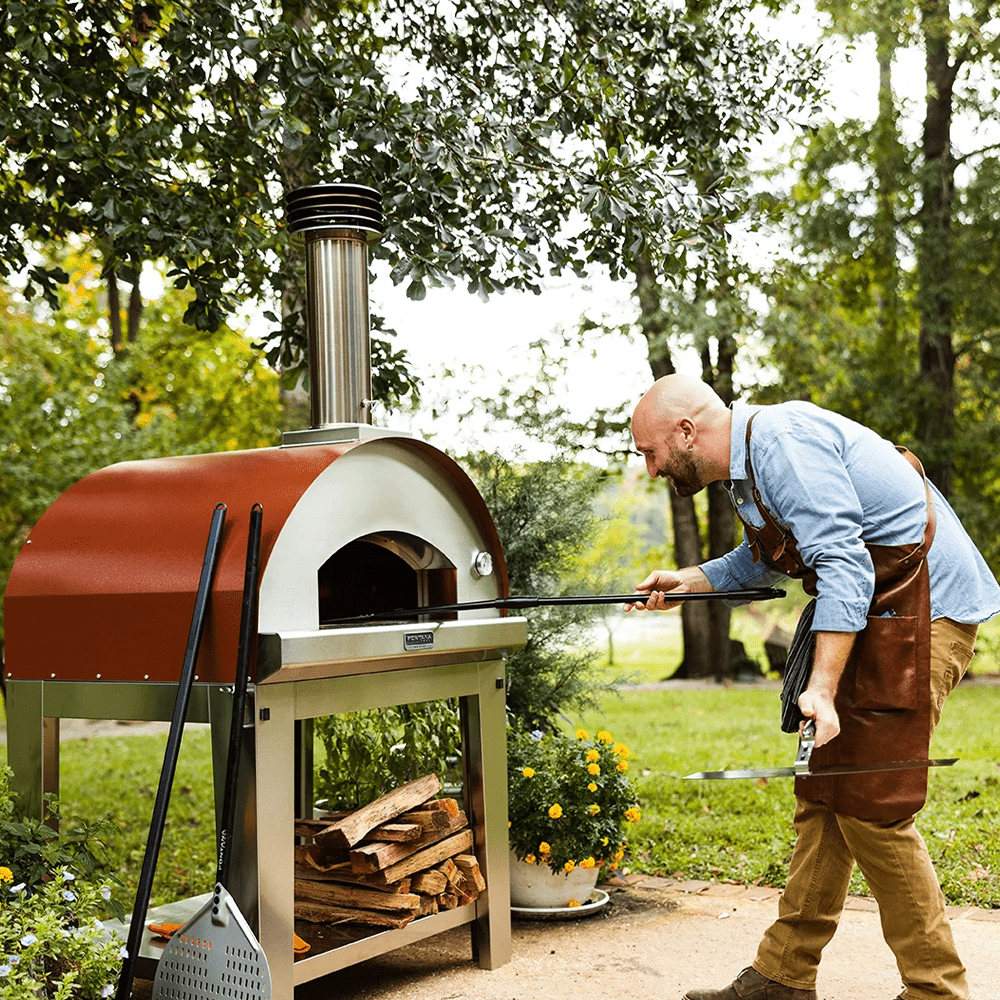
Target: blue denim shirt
835,485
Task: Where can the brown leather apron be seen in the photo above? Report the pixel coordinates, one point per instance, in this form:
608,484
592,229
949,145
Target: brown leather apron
883,699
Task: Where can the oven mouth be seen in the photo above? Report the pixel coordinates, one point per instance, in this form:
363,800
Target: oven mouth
383,572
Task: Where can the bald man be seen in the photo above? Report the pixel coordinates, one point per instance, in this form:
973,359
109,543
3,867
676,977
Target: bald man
899,590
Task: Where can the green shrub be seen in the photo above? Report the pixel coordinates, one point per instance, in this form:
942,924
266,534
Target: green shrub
368,753
51,943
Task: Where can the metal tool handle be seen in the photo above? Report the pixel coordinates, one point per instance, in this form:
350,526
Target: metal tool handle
807,740
515,602
146,874
248,621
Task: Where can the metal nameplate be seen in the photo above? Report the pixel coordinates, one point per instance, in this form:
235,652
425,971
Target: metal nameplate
418,640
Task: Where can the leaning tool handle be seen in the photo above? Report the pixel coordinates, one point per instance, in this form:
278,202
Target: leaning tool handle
807,740
248,621
148,870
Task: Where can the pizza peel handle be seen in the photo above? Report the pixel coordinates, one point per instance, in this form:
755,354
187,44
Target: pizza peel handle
216,954
159,818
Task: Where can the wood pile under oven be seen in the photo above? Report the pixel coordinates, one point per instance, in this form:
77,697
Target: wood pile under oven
405,855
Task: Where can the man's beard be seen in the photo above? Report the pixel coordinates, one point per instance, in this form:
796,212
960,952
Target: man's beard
685,475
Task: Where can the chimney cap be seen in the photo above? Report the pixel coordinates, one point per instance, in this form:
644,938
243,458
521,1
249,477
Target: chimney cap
335,206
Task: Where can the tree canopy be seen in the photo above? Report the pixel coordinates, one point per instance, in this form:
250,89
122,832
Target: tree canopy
508,139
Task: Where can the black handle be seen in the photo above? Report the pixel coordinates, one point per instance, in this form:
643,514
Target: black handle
514,603
248,622
146,874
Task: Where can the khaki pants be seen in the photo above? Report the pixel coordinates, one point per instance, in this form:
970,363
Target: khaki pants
895,863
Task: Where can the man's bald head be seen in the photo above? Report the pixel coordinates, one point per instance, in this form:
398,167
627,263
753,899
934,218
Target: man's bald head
681,427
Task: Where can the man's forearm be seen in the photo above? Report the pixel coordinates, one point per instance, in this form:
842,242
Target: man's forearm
829,661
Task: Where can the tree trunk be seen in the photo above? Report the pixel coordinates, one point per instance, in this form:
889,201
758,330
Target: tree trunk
114,311
721,518
936,415
704,630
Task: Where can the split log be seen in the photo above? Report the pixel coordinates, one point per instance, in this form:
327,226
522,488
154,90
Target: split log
469,867
427,819
450,806
428,906
337,894
348,831
316,913
449,869
348,877
309,827
447,901
429,883
395,831
369,858
459,843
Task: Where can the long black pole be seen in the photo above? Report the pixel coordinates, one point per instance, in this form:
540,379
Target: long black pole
248,622
514,603
158,821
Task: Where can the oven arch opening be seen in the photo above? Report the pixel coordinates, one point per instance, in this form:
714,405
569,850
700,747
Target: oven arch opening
385,571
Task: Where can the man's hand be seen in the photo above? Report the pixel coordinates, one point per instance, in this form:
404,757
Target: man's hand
818,706
663,582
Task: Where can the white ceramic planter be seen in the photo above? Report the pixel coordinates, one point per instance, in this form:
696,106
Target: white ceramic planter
537,886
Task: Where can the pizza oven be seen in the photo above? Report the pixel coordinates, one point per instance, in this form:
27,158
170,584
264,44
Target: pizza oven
357,519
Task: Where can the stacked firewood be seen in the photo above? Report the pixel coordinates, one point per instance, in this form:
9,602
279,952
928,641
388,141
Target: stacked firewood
405,855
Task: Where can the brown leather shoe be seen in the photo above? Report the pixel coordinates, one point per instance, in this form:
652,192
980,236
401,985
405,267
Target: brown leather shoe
751,985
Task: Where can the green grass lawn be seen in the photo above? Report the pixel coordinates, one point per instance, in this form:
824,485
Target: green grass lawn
741,830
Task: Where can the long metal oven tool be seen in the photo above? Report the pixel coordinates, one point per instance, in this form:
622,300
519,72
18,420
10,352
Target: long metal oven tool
216,954
171,754
516,603
802,768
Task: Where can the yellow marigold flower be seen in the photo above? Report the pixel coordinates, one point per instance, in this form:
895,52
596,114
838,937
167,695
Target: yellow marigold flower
6,875
593,755
592,787
605,737
621,750
612,865
619,854
594,808
555,811
622,765
593,768
588,863
529,859
633,815
528,772
569,866
572,902
582,734
543,847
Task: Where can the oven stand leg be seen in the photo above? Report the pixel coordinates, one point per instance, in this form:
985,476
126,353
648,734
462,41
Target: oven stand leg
484,739
32,747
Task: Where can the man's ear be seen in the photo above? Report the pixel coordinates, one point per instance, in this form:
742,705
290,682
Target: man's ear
687,430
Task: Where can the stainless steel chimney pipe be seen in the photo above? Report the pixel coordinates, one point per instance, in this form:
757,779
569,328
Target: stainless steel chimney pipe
338,223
